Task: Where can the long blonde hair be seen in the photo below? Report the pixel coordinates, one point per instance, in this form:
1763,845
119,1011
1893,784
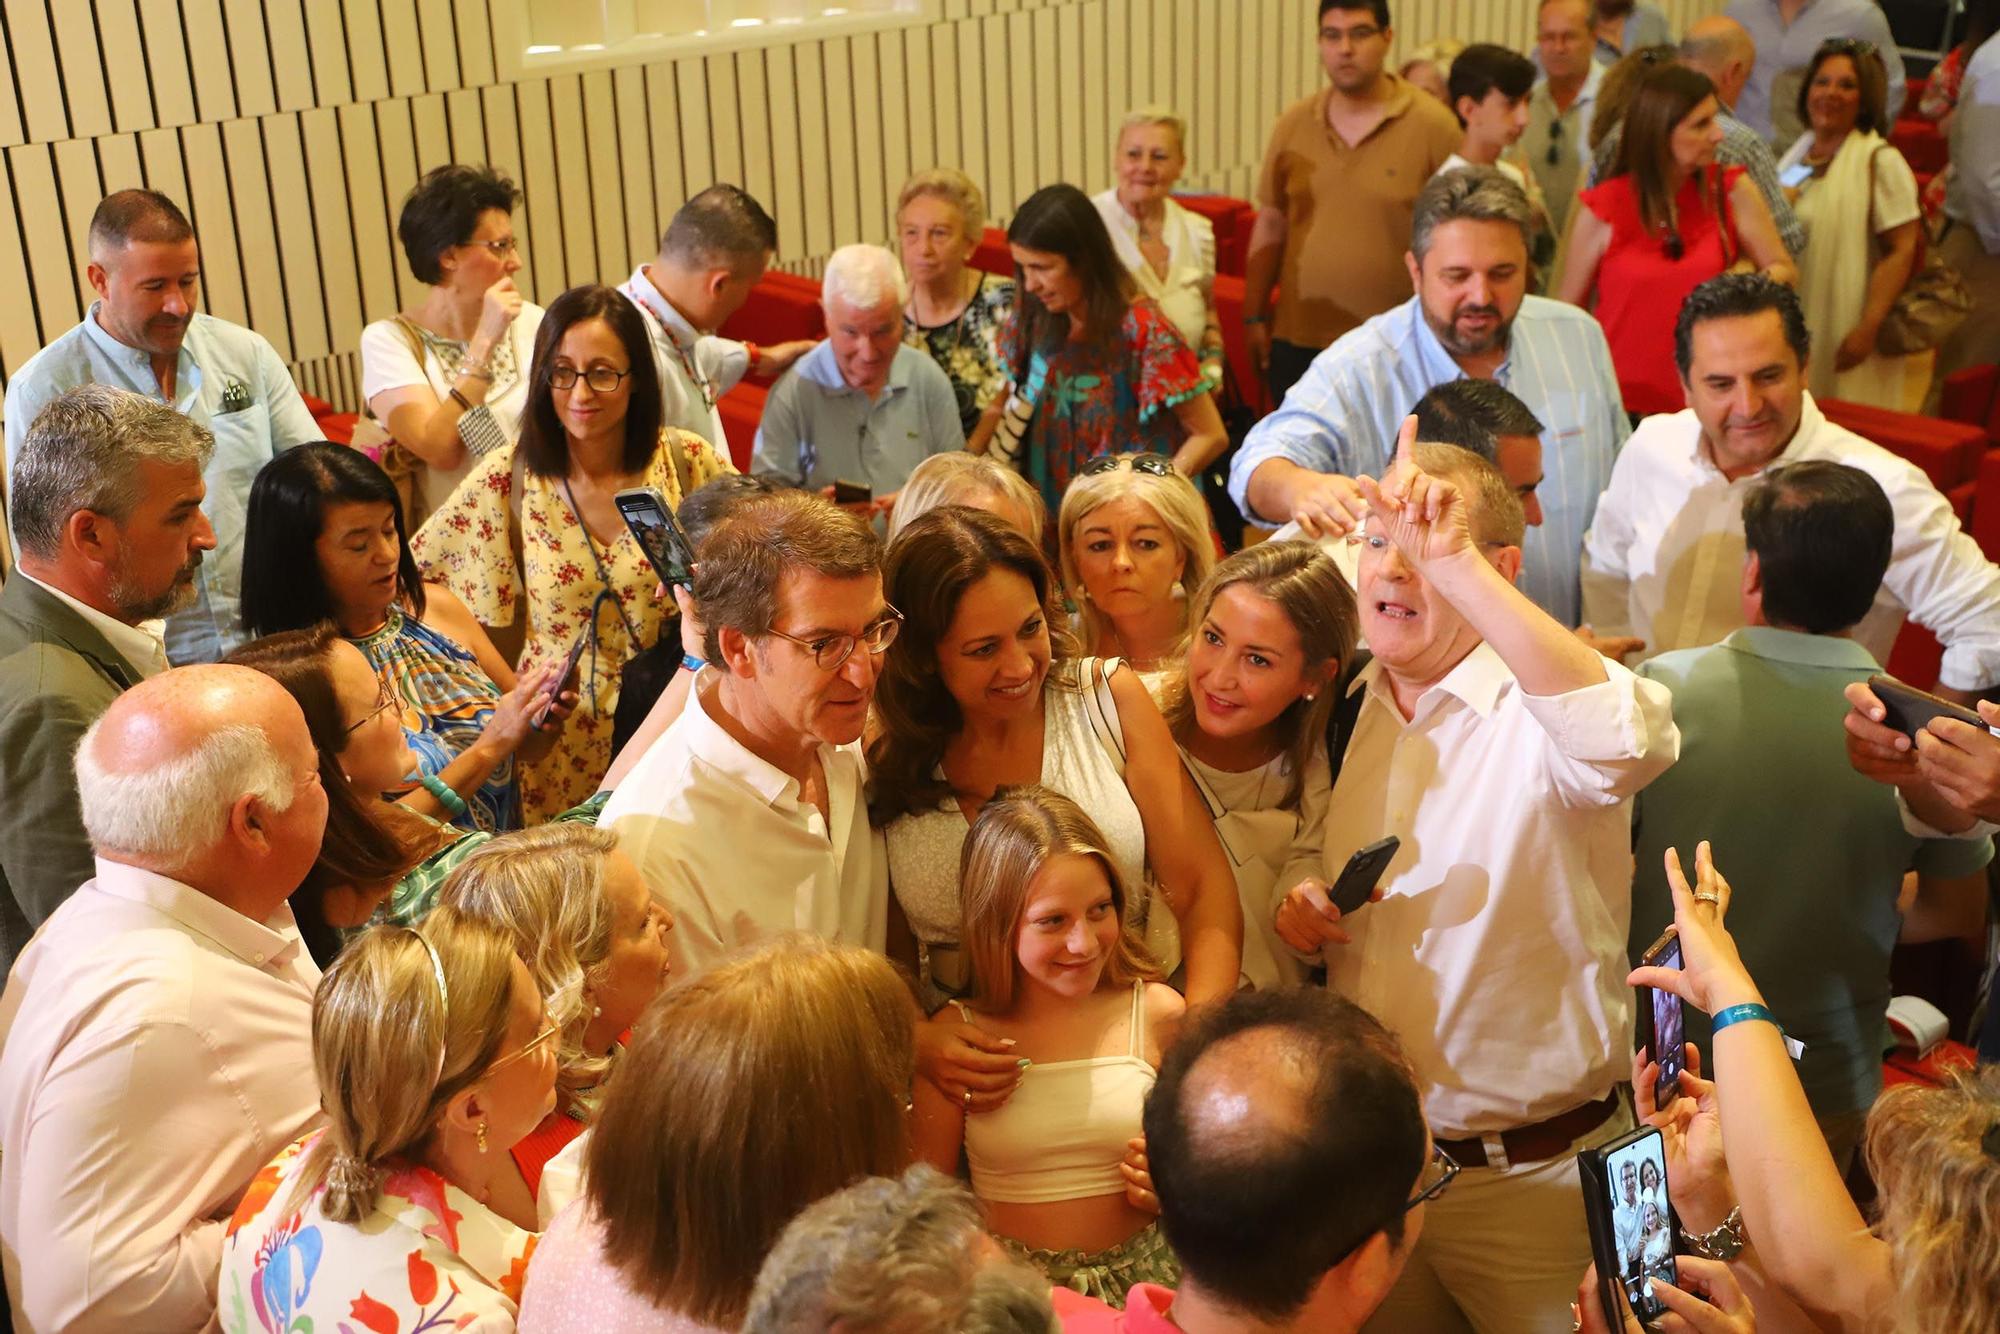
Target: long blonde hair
1017,833
379,1020
763,1085
1935,1154
545,888
1173,497
1303,582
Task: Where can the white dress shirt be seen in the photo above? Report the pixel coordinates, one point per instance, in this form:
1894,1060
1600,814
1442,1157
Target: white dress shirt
696,369
1664,557
143,645
1497,953
155,1052
1185,293
725,840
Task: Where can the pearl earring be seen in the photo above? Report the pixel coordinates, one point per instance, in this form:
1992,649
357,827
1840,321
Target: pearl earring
482,1137
596,1011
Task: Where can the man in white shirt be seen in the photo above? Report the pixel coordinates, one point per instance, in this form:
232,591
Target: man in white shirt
713,252
106,494
1664,556
1503,752
156,1035
747,815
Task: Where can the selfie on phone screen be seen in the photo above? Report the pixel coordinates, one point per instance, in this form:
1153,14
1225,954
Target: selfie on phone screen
1641,1222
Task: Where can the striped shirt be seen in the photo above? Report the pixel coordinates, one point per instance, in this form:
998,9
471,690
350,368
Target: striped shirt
1343,415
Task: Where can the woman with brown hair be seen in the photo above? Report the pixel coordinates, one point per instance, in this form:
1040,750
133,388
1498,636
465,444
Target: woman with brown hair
434,1057
1666,221
595,939
748,1093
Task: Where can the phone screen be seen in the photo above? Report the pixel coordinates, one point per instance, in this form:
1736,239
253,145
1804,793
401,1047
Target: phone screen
1794,176
568,674
1641,1222
1669,1028
659,536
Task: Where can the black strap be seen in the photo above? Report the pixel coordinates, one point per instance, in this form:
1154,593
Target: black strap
1346,710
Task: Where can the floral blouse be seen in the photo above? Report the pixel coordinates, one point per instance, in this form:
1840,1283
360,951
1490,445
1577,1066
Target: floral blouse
466,547
427,1257
1089,400
968,348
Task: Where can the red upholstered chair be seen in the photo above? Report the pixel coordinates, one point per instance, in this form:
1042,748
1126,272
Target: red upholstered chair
782,307
742,409
1985,525
1232,218
1949,452
992,255
335,426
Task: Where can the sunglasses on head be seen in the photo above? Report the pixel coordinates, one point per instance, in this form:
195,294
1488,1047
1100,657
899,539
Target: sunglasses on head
1157,465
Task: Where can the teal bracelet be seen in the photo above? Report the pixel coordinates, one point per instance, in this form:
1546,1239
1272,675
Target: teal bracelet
1739,1014
453,804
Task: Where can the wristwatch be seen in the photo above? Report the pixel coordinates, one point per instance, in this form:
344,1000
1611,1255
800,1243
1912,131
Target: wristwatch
1724,1243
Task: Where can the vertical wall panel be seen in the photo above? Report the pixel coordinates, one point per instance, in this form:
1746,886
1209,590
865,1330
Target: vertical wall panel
11,129
395,140
256,231
871,184
373,210
538,179
440,44
839,133
466,122
118,163
333,230
82,76
573,178
20,333
791,206
663,115
641,208
78,183
291,196
503,153
901,155
165,167
291,59
697,151
607,186
326,47
209,203
33,49
403,42
249,57
124,53
997,83
475,43
367,57
36,196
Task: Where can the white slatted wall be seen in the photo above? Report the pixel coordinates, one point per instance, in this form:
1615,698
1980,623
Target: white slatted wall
290,130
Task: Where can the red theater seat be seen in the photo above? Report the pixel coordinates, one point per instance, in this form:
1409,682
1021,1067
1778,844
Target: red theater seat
782,308
742,408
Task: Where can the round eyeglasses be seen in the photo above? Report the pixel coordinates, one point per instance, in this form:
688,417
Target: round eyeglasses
830,651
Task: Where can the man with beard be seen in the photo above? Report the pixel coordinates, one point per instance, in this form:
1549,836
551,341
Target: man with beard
1471,316
106,507
144,334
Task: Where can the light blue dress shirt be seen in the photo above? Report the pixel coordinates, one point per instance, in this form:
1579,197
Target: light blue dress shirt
1973,197
1782,49
1343,414
817,429
230,380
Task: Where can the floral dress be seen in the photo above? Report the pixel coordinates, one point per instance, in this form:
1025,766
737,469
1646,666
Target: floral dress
427,1257
1089,400
968,348
448,699
571,582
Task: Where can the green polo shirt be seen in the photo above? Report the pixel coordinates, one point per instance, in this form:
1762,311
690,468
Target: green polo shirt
1814,852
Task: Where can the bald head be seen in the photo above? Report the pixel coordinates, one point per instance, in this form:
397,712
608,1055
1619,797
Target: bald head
1723,49
209,775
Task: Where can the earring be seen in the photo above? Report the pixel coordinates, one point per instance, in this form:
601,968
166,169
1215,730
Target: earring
482,1137
1311,696
596,1011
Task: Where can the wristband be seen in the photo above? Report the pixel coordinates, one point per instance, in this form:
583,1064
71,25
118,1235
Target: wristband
689,662
1742,1014
756,353
453,804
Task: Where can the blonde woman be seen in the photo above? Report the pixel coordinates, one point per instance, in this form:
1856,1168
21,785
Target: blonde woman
955,312
748,1093
595,939
1134,540
434,1057
1169,250
1055,971
1248,704
959,478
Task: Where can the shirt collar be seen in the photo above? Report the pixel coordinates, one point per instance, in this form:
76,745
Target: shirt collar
137,358
1810,420
1438,365
267,944
820,367
1478,680
640,288
1795,646
140,645
709,740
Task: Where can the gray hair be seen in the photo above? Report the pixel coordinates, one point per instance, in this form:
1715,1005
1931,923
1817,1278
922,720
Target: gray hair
1141,117
958,477
954,187
864,277
1466,194
894,1256
83,451
167,814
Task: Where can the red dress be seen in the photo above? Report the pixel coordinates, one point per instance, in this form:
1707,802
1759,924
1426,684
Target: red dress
1640,289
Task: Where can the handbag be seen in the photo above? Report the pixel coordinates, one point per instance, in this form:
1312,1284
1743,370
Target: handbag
1933,303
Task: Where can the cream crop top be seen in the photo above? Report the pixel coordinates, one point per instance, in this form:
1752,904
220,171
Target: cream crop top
1063,1133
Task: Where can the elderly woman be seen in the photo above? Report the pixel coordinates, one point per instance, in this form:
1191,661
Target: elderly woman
1135,543
1859,198
596,941
1169,250
434,1058
954,312
972,480
448,378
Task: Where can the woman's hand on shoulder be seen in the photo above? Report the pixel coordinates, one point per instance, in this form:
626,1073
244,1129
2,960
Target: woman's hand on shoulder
970,1066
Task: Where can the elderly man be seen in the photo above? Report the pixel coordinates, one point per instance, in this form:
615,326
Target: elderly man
1787,32
1471,316
713,252
106,496
156,1036
1664,559
144,334
861,407
1497,952
747,815
1557,140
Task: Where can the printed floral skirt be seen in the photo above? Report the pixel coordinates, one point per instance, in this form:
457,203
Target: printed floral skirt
1108,1274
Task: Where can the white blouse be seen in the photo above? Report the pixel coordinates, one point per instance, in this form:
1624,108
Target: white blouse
1188,290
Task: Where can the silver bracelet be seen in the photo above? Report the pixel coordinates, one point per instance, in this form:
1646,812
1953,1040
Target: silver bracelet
1724,1243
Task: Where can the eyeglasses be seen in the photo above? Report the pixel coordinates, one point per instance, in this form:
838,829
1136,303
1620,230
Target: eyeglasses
1845,46
547,1035
1153,465
1439,1173
1353,36
830,651
1555,142
500,248
385,698
601,379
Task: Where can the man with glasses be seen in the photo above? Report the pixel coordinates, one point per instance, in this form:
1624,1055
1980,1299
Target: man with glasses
1339,180
1556,141
1504,754
1286,1141
146,335
747,816
1786,33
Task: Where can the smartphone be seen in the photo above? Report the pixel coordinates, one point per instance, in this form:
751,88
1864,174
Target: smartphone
570,661
1662,1025
1631,1222
1362,873
1794,176
647,514
852,493
1909,708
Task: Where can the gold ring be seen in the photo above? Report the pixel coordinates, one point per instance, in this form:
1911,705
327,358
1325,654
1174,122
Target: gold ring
1716,899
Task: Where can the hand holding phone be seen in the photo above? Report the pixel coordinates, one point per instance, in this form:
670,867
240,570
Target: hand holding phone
1662,1022
1362,873
1909,710
1631,1223
1308,917
660,535
564,678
